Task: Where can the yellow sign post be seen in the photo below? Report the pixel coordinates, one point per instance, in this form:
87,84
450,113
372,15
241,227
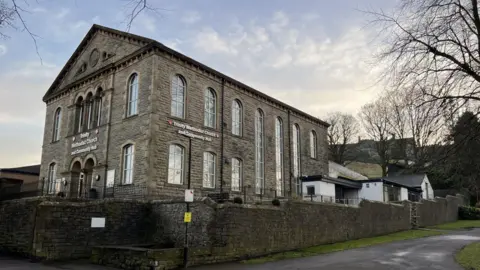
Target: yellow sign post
188,217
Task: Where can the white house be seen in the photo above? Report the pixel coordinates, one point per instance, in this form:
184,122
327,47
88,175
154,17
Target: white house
418,181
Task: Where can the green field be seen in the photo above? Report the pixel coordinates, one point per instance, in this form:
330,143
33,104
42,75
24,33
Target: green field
458,225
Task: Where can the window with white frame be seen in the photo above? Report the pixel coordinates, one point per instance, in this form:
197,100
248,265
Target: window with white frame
208,170
57,120
237,117
313,144
236,174
210,111
127,170
52,174
90,110
178,97
259,152
98,107
296,157
175,164
80,114
132,96
279,155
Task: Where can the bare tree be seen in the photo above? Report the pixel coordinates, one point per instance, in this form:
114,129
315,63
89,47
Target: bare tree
375,119
433,45
343,129
415,123
13,12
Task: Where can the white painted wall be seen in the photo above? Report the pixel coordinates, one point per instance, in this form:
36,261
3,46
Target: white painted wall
321,189
427,189
403,194
371,191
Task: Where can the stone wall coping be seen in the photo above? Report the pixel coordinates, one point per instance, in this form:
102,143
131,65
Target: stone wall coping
136,248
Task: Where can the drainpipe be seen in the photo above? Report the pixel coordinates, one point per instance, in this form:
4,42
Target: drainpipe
109,126
222,129
289,155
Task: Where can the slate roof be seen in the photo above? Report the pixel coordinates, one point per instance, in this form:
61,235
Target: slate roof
411,180
32,170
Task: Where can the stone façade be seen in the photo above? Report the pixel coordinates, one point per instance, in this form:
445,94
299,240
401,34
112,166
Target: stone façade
150,131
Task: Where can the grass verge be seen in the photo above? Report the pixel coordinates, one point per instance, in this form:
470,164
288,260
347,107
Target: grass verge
365,242
468,257
458,225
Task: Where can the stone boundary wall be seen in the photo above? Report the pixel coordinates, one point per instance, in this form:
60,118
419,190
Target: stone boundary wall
57,229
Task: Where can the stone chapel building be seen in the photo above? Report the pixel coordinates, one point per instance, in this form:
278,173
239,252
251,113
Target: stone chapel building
129,116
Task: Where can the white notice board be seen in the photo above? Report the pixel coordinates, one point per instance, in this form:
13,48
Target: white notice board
98,222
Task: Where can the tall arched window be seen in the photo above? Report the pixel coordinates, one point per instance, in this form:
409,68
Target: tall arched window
98,107
90,110
57,120
237,117
127,168
178,97
210,111
296,157
80,115
175,164
52,174
313,144
132,95
259,152
209,170
236,174
279,155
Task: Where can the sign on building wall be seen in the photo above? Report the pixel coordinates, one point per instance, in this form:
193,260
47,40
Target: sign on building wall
86,144
98,222
110,178
191,132
189,195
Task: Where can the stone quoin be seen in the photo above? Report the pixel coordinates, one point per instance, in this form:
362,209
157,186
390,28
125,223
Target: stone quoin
125,107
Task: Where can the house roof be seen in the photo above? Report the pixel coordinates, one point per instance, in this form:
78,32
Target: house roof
341,182
31,170
53,91
410,180
385,181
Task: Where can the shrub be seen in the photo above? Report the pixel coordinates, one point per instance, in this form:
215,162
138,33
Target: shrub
276,202
469,213
237,200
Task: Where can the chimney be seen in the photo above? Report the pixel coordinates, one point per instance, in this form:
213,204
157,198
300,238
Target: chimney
359,138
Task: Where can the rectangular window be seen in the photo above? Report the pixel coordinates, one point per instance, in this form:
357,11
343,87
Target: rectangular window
279,156
236,118
236,174
175,164
310,190
52,174
296,157
128,152
208,170
259,153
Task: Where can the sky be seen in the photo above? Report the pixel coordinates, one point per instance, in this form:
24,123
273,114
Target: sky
315,55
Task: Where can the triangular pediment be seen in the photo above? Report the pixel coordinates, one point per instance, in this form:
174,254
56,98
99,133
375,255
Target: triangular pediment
100,47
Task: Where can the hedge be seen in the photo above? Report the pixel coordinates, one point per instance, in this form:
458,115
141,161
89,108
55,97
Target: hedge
468,213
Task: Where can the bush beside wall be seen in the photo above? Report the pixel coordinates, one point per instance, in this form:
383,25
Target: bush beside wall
469,213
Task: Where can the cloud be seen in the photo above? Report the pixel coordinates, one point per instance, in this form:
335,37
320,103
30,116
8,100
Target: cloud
62,13
191,17
3,49
211,42
300,65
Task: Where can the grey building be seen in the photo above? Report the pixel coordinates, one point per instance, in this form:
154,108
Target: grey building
130,116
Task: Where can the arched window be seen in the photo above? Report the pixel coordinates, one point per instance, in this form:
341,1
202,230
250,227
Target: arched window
132,97
52,174
57,120
236,174
296,157
237,117
178,97
209,170
89,110
80,114
98,107
279,155
127,168
210,111
175,164
313,144
259,152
